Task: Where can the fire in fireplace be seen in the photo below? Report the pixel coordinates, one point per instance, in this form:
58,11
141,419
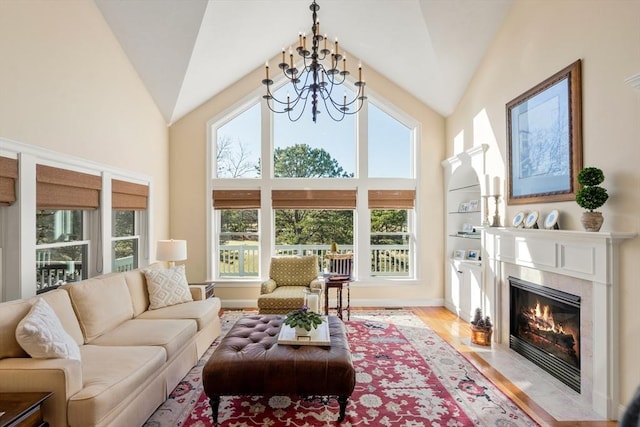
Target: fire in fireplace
545,328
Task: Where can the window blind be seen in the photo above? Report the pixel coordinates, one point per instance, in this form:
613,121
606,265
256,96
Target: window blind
313,199
392,199
58,188
8,176
127,196
236,199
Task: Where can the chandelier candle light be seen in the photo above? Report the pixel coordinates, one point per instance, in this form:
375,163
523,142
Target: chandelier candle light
316,80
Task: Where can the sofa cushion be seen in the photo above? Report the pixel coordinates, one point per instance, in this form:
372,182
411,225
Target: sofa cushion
11,313
282,300
294,270
137,284
203,312
60,302
111,374
41,334
171,334
167,286
101,304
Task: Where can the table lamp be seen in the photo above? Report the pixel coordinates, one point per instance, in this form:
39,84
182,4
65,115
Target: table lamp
172,251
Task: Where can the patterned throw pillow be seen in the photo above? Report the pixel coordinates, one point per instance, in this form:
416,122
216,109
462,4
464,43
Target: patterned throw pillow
167,286
42,336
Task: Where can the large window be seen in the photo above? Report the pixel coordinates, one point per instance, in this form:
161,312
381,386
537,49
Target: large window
125,241
61,251
314,176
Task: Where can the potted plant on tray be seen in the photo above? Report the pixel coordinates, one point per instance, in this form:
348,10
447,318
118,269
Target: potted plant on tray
481,329
591,196
303,320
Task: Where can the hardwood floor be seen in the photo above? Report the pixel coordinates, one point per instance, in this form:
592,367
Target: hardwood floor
456,332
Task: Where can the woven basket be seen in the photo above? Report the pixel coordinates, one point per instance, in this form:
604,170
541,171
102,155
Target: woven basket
481,336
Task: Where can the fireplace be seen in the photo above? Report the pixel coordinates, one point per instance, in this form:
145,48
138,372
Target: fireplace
545,328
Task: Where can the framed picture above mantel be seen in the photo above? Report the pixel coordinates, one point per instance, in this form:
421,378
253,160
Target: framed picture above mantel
544,140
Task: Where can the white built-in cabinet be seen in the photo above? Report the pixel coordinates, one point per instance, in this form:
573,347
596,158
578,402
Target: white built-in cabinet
464,215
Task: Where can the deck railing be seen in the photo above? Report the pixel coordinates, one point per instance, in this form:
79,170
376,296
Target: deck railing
239,260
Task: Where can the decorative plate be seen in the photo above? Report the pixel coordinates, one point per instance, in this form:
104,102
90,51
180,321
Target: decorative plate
532,220
517,220
551,221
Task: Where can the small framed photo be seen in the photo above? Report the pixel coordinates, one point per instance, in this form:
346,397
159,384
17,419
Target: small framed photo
459,254
463,207
467,228
473,255
474,205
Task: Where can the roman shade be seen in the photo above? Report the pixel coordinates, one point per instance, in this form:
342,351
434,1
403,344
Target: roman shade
392,199
127,196
8,176
236,199
313,199
65,189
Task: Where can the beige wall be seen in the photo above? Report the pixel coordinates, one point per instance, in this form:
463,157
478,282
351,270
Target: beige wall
67,86
538,39
188,139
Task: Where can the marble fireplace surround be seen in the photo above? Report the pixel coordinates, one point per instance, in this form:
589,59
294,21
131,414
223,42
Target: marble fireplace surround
580,263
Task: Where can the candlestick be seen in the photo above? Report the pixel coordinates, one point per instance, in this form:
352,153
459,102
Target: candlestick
496,215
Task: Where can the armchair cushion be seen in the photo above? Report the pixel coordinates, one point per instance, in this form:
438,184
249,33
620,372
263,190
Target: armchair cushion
294,270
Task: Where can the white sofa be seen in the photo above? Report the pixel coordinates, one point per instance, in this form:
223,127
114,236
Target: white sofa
131,357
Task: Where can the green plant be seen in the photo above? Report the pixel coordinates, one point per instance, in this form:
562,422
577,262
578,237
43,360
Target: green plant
591,196
303,318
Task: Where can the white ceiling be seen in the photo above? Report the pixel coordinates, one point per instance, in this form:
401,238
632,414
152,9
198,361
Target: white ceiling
187,51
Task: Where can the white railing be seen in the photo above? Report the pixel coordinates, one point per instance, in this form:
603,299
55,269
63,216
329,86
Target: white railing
124,264
244,260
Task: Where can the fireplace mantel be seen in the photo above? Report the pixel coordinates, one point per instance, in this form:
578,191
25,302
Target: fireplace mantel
589,256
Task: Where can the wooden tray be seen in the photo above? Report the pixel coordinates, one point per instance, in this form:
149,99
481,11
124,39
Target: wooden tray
319,336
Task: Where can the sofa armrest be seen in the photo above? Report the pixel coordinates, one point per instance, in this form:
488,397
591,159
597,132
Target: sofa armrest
198,292
268,287
316,285
63,377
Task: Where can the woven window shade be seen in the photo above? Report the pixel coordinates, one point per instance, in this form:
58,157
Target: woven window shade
314,199
64,189
8,176
127,196
236,199
392,199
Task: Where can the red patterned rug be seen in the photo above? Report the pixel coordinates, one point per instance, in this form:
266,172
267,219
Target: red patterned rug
406,376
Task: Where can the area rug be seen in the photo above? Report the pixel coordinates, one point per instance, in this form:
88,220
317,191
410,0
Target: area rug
406,375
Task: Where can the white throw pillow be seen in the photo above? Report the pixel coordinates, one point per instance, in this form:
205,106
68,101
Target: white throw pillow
42,336
167,286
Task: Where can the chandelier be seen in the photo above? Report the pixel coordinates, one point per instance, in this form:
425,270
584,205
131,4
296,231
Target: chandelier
315,83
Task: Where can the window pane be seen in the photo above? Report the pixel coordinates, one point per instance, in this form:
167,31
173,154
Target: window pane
58,226
238,146
239,243
389,146
311,232
390,248
123,223
125,255
56,266
304,149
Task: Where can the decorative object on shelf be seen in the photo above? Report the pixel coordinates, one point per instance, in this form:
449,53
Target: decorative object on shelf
474,206
551,221
459,254
481,329
496,214
463,207
591,196
171,250
467,228
317,80
518,220
485,219
473,255
532,220
303,320
544,148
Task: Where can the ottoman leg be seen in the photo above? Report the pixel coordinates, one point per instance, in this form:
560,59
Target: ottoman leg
214,402
342,400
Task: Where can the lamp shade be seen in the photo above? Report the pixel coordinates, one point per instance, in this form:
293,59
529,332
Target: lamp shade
171,250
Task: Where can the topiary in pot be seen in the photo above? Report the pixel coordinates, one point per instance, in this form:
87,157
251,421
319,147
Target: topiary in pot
591,196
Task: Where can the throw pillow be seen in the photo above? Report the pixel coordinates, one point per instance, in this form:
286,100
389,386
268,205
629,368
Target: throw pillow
42,336
167,286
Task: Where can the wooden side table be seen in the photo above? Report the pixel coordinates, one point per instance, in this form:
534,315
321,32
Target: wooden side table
337,283
23,409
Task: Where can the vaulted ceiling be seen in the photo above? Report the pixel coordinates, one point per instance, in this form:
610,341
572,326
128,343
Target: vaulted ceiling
187,51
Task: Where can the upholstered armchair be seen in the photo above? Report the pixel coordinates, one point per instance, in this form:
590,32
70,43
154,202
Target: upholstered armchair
292,281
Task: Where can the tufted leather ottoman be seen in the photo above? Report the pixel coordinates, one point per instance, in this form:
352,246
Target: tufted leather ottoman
249,362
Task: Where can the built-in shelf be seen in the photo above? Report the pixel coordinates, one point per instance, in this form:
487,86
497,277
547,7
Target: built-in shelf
466,236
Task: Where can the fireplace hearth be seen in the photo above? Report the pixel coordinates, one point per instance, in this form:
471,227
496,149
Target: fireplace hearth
545,328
